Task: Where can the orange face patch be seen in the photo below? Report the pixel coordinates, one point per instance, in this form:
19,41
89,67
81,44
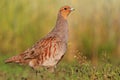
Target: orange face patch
65,11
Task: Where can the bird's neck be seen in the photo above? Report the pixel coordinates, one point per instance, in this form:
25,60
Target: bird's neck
61,22
61,28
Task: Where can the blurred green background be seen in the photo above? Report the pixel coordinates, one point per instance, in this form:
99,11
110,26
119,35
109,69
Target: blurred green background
94,27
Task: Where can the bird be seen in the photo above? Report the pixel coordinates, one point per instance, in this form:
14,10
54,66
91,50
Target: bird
50,49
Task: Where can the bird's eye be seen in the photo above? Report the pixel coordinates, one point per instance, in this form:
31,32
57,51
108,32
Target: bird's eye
65,8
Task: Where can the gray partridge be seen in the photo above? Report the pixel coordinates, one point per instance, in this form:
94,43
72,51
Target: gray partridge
49,50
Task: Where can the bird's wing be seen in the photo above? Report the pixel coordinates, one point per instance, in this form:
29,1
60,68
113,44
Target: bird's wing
42,48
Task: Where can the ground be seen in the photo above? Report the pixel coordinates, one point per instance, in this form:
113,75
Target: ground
106,70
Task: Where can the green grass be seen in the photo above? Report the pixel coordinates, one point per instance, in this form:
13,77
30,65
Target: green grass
106,70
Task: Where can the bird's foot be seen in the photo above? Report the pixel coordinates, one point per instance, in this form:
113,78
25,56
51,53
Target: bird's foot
37,72
23,78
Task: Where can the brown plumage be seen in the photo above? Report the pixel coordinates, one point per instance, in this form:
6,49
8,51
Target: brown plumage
50,49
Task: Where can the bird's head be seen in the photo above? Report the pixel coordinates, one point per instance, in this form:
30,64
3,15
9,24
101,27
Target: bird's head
65,11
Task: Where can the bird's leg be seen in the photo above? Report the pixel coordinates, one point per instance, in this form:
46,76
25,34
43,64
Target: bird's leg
37,72
32,69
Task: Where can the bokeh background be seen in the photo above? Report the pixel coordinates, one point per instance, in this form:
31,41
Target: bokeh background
94,27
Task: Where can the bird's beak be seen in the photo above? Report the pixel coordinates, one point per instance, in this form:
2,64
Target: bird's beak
72,9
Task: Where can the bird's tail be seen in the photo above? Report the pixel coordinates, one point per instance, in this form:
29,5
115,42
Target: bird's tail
14,59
